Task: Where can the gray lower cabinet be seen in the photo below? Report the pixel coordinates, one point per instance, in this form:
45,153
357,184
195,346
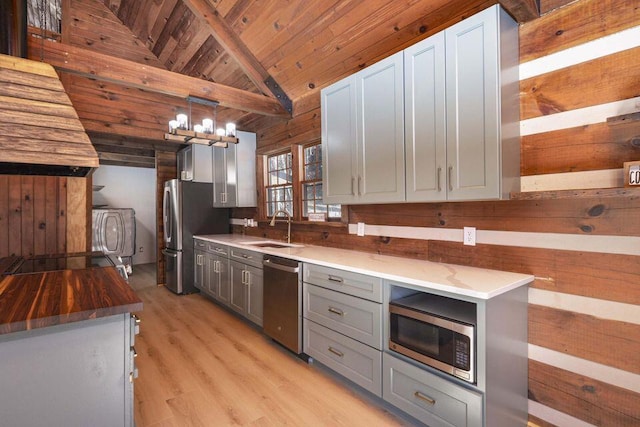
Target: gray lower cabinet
246,290
346,356
342,323
75,374
431,399
218,272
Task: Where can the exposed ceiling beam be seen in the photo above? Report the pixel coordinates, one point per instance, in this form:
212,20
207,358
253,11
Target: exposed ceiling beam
232,44
98,66
522,10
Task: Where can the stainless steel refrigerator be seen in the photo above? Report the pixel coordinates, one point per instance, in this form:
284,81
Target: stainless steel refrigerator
187,211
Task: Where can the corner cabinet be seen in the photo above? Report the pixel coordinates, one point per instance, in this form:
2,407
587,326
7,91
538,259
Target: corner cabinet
234,173
451,104
363,135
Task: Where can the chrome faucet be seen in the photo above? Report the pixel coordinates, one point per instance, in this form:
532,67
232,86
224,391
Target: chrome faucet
273,222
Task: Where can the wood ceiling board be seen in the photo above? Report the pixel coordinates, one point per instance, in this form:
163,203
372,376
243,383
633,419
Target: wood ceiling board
522,10
224,34
91,64
380,42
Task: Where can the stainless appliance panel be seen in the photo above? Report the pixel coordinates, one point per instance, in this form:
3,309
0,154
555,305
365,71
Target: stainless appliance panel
172,215
282,299
173,270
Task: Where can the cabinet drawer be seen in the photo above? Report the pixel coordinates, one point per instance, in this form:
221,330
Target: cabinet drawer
217,248
359,285
431,399
199,244
351,359
354,317
246,256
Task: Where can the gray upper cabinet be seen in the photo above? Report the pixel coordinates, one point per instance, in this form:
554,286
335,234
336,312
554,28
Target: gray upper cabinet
449,102
363,135
234,173
425,120
194,163
483,141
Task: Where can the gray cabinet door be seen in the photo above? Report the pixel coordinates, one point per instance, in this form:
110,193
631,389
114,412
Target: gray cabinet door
219,161
380,137
339,163
425,120
223,284
254,281
199,258
473,108
238,288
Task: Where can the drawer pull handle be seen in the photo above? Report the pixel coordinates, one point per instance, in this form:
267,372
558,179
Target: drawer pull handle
336,352
336,311
336,279
425,398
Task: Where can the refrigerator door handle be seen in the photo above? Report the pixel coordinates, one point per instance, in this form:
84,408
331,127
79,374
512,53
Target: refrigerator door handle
166,201
169,254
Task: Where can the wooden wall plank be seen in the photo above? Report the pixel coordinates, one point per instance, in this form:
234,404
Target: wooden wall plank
607,79
15,216
4,215
39,215
584,398
608,342
77,214
61,216
588,216
591,147
27,215
53,205
575,24
609,277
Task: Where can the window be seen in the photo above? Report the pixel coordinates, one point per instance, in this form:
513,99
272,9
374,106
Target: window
312,184
279,188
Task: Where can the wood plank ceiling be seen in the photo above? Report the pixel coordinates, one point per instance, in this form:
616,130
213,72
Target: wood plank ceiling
128,65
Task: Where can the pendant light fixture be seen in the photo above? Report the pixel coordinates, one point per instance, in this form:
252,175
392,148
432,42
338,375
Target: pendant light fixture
183,131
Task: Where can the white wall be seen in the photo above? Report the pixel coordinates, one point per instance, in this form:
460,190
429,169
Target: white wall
129,187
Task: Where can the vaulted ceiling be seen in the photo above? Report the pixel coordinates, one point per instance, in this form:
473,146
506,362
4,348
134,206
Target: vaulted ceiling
128,65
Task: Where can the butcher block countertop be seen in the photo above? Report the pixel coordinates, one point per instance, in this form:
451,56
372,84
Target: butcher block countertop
38,300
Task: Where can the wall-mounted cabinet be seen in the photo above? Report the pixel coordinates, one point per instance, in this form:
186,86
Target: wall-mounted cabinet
457,121
363,137
194,163
234,173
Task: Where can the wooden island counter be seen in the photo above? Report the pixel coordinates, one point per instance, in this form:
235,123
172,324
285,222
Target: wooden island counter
66,342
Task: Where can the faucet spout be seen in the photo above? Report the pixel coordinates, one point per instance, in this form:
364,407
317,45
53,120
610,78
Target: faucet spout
273,222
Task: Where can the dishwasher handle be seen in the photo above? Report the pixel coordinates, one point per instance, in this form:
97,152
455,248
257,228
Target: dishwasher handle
271,264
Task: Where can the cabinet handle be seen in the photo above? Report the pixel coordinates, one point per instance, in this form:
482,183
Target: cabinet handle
336,352
336,311
450,178
359,185
353,183
336,279
216,267
439,174
248,283
424,398
244,277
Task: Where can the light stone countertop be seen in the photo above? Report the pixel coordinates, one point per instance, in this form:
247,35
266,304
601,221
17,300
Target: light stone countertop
473,282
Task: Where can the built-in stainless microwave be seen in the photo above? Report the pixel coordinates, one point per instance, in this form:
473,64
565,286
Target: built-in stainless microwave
437,331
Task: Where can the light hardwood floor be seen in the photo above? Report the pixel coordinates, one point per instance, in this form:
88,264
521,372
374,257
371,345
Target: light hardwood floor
201,365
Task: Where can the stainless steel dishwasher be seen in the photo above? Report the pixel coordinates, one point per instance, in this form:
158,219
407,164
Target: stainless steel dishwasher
282,310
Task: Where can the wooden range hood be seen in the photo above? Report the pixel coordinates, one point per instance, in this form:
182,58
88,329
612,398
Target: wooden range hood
40,132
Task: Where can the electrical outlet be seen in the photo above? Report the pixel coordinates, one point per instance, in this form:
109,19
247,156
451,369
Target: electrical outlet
469,236
360,231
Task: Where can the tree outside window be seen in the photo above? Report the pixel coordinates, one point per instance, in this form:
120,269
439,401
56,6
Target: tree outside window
279,188
311,184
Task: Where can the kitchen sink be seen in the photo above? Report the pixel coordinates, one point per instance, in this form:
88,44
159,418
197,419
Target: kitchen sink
271,244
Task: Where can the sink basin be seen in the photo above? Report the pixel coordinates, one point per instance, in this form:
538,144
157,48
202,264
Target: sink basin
271,244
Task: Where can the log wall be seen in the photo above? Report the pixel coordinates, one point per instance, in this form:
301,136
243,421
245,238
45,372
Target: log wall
578,232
